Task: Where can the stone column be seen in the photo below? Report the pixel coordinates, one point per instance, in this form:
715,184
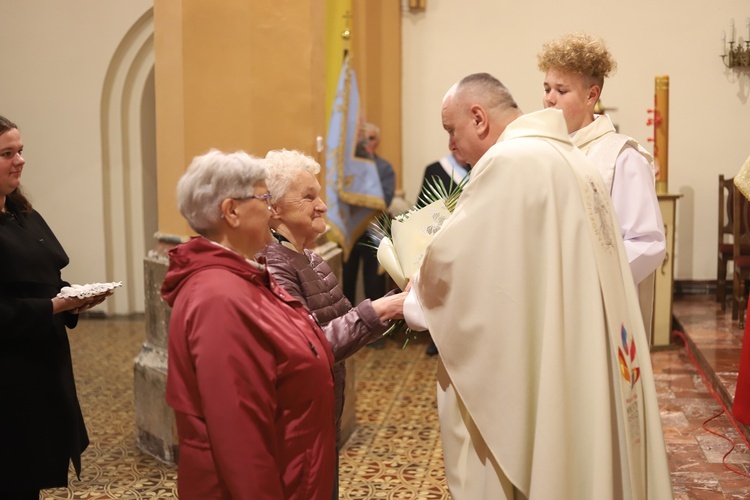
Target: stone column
154,419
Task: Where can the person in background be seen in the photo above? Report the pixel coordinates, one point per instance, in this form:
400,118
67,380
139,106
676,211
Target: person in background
373,280
450,170
575,66
249,372
41,424
545,386
385,169
297,220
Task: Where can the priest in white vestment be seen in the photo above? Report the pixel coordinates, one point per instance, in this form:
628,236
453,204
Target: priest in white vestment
545,387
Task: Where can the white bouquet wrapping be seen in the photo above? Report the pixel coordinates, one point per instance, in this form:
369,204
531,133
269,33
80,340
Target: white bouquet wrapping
401,254
401,241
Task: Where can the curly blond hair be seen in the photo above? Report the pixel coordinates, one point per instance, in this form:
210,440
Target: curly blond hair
578,53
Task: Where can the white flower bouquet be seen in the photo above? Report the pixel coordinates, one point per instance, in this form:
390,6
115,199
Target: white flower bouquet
401,254
401,241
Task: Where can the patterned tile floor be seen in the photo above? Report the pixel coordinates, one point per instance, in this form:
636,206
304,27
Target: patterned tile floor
395,452
103,353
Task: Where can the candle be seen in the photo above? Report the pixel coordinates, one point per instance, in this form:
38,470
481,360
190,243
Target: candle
731,30
661,131
723,43
747,29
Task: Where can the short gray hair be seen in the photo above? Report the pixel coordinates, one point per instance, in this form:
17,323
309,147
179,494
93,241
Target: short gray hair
212,178
283,167
371,127
488,90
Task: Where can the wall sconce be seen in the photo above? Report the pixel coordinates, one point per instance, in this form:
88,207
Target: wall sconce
737,56
416,5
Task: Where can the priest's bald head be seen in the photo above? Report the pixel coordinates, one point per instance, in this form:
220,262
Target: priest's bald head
475,112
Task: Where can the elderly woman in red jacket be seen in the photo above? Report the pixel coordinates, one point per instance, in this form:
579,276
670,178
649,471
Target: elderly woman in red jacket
249,373
297,220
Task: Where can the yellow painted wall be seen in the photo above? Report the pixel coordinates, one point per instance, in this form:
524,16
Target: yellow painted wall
248,76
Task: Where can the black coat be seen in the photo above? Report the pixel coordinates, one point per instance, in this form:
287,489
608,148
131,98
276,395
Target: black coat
41,425
434,170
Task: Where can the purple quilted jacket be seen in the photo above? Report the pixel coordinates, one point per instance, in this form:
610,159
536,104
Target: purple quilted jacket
307,277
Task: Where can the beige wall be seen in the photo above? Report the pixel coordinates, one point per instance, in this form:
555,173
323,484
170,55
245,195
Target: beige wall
55,58
709,109
57,55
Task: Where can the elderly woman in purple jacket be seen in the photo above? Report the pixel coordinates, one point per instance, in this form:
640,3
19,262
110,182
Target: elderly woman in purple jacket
297,220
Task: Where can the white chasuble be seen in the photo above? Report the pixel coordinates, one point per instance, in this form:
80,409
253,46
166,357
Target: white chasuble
547,390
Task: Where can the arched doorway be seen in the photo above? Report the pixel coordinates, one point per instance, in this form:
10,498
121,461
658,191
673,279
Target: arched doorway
129,164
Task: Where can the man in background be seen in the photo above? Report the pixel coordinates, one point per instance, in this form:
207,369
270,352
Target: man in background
450,170
385,169
361,252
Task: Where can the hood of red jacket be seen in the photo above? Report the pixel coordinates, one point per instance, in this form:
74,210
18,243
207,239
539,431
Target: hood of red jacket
197,255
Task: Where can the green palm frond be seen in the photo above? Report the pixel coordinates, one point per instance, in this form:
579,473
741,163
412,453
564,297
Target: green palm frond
380,228
435,190
399,326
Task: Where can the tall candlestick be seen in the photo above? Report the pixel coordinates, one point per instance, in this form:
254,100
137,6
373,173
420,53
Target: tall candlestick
661,132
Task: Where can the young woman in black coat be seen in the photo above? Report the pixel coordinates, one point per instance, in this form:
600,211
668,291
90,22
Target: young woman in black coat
41,426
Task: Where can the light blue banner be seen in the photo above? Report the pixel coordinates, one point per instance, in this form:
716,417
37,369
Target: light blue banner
353,190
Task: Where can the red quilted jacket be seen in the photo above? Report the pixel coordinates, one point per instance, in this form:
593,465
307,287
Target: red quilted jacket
250,381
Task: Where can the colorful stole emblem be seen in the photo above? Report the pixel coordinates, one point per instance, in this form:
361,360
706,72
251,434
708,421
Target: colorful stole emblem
629,369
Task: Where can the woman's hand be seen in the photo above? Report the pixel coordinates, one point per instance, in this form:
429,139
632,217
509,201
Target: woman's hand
77,305
390,307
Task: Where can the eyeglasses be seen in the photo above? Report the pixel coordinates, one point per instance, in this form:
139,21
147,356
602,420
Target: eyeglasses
263,197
